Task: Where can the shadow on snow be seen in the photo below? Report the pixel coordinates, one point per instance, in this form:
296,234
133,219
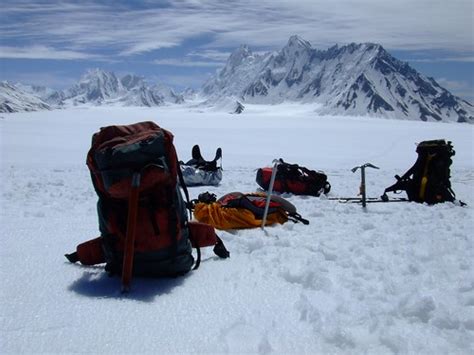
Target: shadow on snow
95,282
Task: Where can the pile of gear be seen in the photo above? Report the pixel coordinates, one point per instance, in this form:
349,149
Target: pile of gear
147,227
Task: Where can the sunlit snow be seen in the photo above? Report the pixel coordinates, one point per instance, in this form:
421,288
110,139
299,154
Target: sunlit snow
396,278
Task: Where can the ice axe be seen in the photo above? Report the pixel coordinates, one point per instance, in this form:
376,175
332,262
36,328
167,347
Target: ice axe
362,180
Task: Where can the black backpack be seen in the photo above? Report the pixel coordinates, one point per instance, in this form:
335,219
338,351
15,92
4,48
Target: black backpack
428,179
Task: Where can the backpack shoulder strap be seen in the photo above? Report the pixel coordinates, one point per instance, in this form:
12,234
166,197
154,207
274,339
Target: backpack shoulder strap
296,217
403,183
203,235
182,183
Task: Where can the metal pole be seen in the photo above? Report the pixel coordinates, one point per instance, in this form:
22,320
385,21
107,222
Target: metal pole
362,186
270,190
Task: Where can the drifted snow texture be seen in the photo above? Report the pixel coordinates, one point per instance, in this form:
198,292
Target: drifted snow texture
394,279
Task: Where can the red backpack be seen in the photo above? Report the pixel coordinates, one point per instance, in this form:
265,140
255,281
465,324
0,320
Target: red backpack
143,219
294,179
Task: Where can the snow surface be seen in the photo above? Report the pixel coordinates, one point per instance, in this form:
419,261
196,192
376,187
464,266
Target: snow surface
397,278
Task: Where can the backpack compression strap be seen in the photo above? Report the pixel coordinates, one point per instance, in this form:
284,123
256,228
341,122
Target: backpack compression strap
186,192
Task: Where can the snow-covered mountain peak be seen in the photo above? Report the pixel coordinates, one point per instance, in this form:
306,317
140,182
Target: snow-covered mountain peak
14,99
95,74
100,79
368,51
365,47
296,43
239,56
96,87
100,87
130,81
296,49
354,79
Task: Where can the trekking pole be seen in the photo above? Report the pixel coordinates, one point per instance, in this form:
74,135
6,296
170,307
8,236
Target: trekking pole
129,249
270,190
362,180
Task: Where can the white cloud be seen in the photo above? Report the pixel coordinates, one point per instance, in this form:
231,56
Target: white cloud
42,52
458,87
459,59
211,54
186,63
125,30
56,80
453,84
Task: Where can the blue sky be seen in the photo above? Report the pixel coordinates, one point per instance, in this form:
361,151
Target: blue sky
181,43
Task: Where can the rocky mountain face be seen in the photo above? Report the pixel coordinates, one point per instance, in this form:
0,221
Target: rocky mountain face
14,99
356,79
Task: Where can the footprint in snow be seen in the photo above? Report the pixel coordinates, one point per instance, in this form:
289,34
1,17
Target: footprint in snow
308,279
420,309
242,337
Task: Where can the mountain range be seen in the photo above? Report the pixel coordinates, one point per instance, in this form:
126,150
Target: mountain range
14,99
354,79
96,87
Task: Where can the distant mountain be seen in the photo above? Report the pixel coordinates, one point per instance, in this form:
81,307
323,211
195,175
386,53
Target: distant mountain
48,95
96,87
356,79
168,94
102,88
14,99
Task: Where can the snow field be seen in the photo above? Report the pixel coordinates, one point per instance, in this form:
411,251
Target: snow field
396,278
